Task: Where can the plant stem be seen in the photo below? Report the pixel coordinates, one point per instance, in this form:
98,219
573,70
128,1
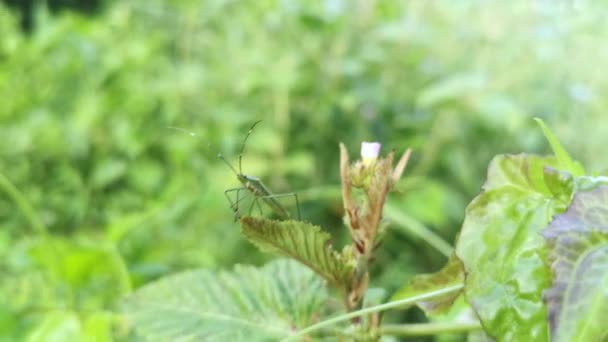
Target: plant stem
326,192
425,329
22,203
390,305
416,228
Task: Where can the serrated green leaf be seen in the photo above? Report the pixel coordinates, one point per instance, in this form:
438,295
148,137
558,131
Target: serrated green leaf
577,302
248,304
501,248
451,274
566,162
303,242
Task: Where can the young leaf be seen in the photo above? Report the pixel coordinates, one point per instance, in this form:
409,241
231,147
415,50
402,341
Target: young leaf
303,242
566,163
248,304
577,302
451,274
501,248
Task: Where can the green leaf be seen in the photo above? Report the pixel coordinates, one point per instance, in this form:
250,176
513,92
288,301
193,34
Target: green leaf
93,270
501,248
459,313
248,304
57,326
479,336
449,325
577,302
450,88
62,326
303,242
451,274
566,163
108,171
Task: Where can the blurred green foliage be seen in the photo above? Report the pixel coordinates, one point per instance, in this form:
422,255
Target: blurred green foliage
100,197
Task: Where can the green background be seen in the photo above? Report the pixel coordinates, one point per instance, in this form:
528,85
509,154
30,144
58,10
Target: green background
98,196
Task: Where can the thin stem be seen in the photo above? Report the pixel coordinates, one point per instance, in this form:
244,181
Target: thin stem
390,305
426,329
327,192
412,226
30,215
23,204
124,279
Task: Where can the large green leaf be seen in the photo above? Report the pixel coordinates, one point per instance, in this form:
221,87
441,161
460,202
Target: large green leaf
577,302
451,274
303,242
248,304
502,250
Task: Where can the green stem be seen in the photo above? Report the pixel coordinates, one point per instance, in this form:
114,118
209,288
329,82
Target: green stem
426,329
330,192
22,203
29,213
412,226
390,305
123,273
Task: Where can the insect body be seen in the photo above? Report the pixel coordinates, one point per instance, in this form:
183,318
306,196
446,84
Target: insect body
253,185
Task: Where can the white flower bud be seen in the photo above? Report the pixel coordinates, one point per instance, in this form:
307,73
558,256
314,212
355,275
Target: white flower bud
369,152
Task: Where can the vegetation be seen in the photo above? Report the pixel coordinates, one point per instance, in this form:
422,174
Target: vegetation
114,227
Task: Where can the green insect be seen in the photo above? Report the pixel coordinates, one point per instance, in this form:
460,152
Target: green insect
253,185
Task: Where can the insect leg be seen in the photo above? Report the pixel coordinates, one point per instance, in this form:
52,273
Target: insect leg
297,205
240,199
260,208
234,205
255,200
286,194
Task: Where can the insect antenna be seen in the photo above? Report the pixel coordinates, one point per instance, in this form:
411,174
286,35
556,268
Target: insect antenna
218,153
243,145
